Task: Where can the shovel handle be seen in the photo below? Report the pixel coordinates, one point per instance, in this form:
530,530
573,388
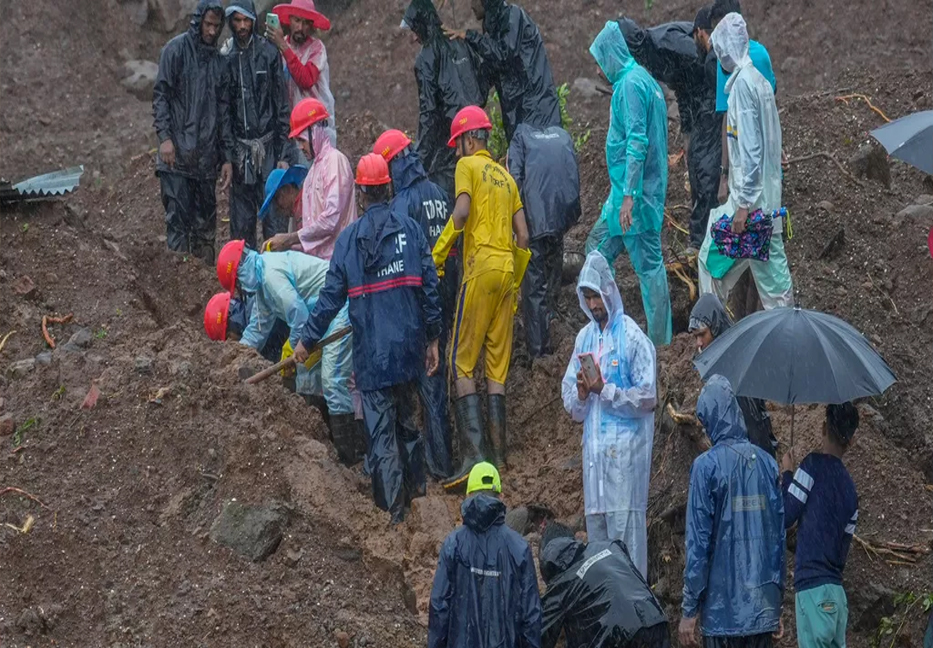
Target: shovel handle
290,361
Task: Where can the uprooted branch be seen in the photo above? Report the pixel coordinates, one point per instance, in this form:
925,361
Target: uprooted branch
828,156
896,550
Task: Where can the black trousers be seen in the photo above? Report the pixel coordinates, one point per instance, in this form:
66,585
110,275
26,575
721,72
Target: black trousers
190,215
704,159
540,291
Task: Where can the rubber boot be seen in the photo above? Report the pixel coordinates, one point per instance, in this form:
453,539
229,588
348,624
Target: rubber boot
469,415
495,404
345,434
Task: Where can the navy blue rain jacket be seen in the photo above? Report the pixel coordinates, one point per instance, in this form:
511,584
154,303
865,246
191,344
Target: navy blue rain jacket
485,592
418,197
382,263
734,572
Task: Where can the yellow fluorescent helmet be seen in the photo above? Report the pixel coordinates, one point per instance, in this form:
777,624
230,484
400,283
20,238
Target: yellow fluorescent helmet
484,476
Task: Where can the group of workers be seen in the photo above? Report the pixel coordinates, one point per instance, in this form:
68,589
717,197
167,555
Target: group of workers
383,284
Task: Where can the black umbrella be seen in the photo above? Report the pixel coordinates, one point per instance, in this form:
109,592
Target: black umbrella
791,355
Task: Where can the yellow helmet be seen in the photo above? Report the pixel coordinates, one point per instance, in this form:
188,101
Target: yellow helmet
484,476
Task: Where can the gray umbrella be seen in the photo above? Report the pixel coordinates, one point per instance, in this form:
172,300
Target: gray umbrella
909,139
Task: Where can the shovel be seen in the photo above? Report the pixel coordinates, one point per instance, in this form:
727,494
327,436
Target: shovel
290,361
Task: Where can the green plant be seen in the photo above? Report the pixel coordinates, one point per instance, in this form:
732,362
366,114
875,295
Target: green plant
58,393
21,430
101,333
889,626
25,227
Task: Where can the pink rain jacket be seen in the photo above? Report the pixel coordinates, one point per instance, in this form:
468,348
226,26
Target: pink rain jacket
328,201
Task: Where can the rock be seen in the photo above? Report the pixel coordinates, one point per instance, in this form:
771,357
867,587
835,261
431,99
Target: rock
140,79
182,368
7,425
143,364
21,368
44,359
923,199
871,161
826,206
293,557
586,87
81,339
869,604
24,286
343,639
252,531
924,212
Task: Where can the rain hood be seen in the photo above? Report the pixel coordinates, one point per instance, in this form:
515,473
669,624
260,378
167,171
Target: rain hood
718,411
598,277
611,52
709,313
730,41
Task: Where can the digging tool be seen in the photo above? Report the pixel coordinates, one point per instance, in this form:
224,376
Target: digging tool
289,362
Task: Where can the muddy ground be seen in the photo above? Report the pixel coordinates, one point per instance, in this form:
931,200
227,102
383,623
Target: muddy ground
120,552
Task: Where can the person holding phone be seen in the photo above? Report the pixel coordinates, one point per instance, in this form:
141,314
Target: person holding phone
611,387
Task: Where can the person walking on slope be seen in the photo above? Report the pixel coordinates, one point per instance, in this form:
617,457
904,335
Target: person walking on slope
259,112
636,156
820,498
383,265
485,591
514,57
734,570
487,212
426,204
616,406
449,77
754,149
308,72
189,104
544,165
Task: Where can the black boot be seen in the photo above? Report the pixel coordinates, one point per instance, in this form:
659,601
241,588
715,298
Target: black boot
469,415
346,437
495,404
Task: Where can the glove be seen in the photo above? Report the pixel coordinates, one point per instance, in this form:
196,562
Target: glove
267,247
442,248
520,258
287,352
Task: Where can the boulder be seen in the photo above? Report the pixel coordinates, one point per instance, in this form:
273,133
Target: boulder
140,78
867,605
252,531
871,161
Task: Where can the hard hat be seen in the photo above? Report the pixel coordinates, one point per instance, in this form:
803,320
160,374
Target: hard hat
372,171
484,476
468,119
215,316
227,263
305,114
391,143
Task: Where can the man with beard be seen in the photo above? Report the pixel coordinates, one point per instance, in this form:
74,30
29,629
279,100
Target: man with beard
189,104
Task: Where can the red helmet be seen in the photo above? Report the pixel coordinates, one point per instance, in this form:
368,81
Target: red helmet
227,263
372,171
305,114
391,143
469,118
215,316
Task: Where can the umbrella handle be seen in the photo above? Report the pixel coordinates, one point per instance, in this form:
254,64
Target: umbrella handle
792,427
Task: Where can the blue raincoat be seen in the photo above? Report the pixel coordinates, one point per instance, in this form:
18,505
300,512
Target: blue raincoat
618,424
286,286
636,158
485,592
734,572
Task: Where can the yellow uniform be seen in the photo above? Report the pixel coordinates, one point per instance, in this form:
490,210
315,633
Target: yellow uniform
487,295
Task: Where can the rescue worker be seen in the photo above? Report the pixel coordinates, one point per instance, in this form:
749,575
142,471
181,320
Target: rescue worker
327,195
382,263
449,77
616,407
426,204
189,104
755,176
734,571
308,73
636,157
226,317
487,212
516,61
543,164
259,113
286,287
596,595
485,590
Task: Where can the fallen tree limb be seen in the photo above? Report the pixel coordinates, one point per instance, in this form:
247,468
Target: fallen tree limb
827,155
898,551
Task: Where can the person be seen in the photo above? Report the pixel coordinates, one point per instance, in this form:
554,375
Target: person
308,72
259,113
428,205
189,106
382,264
449,77
226,317
286,286
596,595
709,320
487,212
636,156
327,195
516,61
543,163
820,497
485,590
754,150
616,407
734,569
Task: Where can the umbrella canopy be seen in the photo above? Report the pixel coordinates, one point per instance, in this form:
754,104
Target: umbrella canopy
909,139
796,356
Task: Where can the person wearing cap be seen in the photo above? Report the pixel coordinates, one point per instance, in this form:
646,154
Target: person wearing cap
820,498
308,73
488,211
327,195
382,266
428,205
258,112
226,317
485,590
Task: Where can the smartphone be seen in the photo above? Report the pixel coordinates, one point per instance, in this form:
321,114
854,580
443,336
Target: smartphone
272,21
588,364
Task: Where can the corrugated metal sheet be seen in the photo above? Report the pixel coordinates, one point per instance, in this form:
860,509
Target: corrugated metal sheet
43,186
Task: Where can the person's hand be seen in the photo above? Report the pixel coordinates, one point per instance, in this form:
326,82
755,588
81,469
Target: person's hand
454,34
167,152
788,461
282,165
432,358
226,175
582,390
723,194
301,353
777,636
687,632
596,385
277,36
278,243
739,221
625,213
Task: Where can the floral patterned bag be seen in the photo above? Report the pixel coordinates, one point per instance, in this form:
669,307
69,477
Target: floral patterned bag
754,242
